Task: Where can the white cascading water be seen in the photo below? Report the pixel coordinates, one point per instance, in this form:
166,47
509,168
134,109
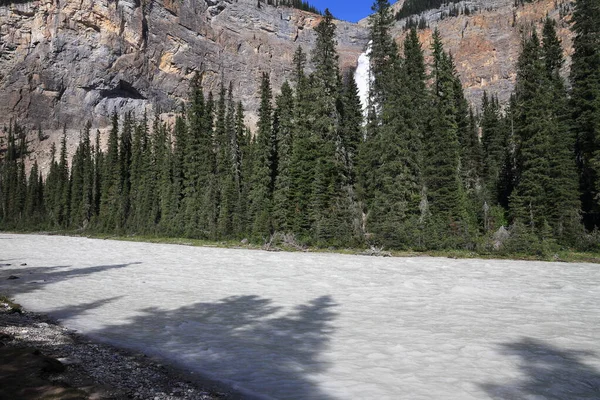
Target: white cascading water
363,78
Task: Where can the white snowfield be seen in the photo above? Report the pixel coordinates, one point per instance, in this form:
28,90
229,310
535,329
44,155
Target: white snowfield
325,326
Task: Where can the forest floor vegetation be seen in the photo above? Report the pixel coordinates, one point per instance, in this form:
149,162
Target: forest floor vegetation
553,255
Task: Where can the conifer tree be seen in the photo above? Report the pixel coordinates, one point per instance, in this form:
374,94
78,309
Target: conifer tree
351,135
13,184
20,193
329,205
563,195
445,193
82,182
302,158
283,126
34,206
351,126
495,143
384,54
98,173
63,192
261,181
51,188
382,165
529,201
415,116
111,180
168,189
143,208
472,156
468,139
585,104
196,157
228,170
7,176
125,147
176,223
210,212
239,146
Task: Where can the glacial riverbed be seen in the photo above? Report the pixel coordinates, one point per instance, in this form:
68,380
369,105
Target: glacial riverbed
325,326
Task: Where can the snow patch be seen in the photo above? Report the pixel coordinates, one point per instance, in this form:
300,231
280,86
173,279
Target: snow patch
296,326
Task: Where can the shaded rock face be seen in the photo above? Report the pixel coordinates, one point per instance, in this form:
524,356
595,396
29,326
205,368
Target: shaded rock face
66,62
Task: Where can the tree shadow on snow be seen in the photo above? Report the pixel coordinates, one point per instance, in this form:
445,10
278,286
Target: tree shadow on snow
32,278
549,373
245,342
79,309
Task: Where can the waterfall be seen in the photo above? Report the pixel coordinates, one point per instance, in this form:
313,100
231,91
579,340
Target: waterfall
363,78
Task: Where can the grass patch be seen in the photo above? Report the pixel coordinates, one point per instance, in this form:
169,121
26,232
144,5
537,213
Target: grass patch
563,255
12,307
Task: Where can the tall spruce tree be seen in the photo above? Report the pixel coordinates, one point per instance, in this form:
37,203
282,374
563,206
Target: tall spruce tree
98,166
111,181
585,104
383,73
63,192
168,189
34,203
143,208
529,201
82,182
261,181
14,180
283,126
302,158
50,189
495,142
228,171
177,202
329,206
351,134
444,190
564,205
197,159
383,56
239,146
125,145
386,181
416,115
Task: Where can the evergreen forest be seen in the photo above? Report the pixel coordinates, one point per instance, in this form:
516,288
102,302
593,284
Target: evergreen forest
418,170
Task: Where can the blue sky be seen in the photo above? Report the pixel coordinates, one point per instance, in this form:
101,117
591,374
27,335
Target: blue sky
349,10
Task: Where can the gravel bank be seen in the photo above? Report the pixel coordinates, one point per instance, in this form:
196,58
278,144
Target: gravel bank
41,359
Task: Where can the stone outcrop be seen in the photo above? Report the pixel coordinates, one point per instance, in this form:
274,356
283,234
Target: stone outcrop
64,62
486,44
67,62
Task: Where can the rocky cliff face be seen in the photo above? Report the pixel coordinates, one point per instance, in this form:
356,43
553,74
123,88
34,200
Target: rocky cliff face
486,44
64,62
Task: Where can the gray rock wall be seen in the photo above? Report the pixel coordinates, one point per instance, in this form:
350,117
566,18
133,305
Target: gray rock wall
64,62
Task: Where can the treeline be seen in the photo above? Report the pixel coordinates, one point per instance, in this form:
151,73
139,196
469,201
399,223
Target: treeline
9,2
421,171
299,4
414,23
415,7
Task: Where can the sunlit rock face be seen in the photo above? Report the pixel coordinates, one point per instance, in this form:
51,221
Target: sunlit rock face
69,61
486,43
